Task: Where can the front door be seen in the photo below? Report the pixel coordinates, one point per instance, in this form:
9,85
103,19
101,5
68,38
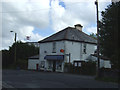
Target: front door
54,66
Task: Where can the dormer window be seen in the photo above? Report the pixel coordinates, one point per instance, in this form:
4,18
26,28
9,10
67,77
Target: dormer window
54,47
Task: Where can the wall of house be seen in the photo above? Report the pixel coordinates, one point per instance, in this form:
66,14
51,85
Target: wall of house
47,49
90,49
76,50
32,63
103,63
107,64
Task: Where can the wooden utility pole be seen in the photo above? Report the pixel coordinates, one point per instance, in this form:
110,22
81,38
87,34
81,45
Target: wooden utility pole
98,59
15,46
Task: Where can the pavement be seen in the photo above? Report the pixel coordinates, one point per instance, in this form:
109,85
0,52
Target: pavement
34,79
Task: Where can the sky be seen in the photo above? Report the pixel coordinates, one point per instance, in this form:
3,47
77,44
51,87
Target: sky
42,18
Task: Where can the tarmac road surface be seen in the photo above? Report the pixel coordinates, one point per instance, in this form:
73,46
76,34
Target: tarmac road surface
33,79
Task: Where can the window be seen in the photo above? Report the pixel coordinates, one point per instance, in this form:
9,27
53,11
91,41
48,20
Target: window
45,51
42,64
50,65
84,48
58,65
75,64
54,47
79,64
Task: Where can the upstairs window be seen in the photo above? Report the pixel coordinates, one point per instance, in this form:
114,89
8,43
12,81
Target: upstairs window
54,47
84,48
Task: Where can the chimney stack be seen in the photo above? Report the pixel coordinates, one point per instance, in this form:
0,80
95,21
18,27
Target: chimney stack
78,26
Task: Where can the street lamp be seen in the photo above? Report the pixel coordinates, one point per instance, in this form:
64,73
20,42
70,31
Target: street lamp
15,46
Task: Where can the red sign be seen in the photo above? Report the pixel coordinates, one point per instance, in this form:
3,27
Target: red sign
62,50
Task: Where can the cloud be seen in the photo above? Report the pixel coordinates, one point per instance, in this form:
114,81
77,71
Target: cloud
74,12
28,13
28,31
91,29
86,1
22,17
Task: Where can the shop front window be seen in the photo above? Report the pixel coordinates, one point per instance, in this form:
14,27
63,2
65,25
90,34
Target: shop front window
42,64
50,65
58,65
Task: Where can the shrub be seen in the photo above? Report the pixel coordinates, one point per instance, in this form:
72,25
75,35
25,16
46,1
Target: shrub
88,68
68,67
22,64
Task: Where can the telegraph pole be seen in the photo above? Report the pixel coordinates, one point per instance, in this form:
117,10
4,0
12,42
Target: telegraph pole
98,58
15,46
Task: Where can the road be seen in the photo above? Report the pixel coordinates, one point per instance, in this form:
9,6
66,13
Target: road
33,79
0,78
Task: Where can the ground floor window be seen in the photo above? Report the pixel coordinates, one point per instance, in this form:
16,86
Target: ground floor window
42,64
55,64
59,65
50,65
78,63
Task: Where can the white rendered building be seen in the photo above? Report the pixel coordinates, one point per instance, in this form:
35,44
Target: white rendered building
67,45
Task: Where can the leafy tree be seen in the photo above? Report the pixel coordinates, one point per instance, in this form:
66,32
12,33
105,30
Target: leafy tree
109,33
5,59
93,35
23,51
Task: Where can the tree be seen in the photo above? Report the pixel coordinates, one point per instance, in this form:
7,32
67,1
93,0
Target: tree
5,59
93,35
109,33
23,51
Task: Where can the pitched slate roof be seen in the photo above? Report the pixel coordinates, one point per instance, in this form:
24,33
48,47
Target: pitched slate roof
70,34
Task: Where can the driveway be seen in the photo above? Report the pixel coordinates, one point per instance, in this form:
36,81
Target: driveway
33,79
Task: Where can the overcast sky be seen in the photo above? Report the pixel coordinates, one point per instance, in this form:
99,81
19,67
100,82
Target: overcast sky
41,18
